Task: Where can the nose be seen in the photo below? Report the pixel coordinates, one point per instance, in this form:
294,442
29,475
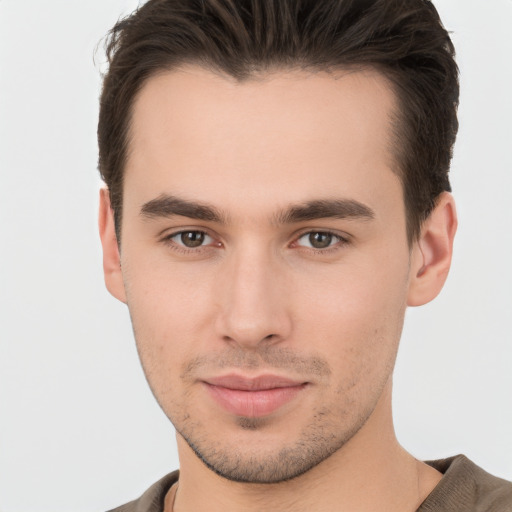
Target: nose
253,301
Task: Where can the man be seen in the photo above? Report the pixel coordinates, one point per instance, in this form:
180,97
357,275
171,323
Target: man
278,194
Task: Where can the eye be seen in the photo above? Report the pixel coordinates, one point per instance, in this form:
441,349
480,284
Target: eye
191,239
319,240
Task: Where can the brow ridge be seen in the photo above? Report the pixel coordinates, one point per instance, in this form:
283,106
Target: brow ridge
326,208
168,206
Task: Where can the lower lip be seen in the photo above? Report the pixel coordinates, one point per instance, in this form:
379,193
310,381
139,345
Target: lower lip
253,404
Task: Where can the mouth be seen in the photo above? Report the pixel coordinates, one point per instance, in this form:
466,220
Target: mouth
253,397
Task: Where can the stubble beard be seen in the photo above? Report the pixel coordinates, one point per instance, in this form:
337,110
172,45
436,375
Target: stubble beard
318,441
327,431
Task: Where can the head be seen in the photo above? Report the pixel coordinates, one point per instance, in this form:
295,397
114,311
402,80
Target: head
277,179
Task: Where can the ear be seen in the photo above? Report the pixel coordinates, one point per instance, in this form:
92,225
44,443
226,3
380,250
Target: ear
432,252
111,255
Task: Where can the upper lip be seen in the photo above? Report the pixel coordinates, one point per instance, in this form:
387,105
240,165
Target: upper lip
260,383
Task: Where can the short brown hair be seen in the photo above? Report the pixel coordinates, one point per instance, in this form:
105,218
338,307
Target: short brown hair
402,39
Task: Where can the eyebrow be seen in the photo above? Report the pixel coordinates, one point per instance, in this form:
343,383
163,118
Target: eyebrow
326,208
170,206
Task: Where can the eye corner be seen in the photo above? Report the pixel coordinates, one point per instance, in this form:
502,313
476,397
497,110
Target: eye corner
321,240
189,240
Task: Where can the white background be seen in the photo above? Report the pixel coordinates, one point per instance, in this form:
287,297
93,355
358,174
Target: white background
79,430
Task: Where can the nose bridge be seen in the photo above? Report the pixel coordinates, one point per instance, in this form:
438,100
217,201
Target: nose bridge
252,299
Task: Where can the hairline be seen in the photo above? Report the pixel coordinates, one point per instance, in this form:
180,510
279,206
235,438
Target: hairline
397,116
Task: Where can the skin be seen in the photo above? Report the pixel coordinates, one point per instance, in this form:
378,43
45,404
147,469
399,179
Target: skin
255,297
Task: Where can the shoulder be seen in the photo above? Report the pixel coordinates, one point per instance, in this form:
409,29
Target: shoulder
153,499
465,487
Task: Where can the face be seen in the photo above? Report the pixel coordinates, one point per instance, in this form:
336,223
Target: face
265,261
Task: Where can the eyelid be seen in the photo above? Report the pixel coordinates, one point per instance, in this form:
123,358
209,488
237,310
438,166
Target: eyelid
334,232
167,236
170,232
343,238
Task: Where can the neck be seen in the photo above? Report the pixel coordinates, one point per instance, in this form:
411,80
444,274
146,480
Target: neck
371,472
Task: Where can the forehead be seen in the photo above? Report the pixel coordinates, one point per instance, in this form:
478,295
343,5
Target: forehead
285,135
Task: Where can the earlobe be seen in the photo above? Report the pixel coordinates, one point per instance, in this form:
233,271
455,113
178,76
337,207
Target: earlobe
432,252
111,255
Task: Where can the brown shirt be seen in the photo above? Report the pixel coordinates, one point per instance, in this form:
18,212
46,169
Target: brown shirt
464,488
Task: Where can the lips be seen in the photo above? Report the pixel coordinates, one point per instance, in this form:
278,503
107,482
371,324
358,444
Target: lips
253,397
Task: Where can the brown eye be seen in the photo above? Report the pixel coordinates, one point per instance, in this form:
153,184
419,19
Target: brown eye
320,240
191,239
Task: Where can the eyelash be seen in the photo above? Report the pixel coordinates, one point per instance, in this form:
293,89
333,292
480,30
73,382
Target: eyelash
341,241
168,240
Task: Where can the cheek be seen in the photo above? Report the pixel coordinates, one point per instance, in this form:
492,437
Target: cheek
170,310
350,314
355,319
